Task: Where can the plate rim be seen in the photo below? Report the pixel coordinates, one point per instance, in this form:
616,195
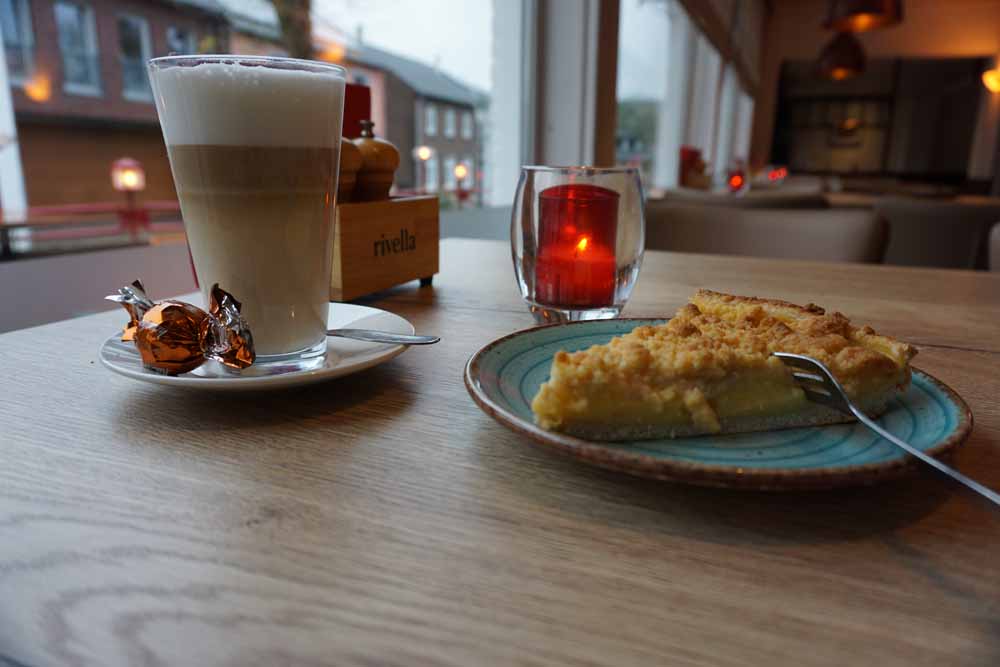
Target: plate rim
260,383
703,474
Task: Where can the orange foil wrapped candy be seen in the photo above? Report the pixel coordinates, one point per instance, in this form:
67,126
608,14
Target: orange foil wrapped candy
175,337
133,299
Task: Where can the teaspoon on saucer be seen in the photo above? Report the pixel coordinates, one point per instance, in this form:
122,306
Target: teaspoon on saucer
382,337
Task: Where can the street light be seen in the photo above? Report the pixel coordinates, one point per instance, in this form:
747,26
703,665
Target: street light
422,154
461,171
128,176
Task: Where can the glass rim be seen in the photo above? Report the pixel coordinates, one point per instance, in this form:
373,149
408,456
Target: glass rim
277,62
579,169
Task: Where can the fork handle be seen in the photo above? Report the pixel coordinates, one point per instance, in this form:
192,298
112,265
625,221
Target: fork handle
989,494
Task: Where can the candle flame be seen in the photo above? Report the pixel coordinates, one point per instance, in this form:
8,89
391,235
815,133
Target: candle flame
582,245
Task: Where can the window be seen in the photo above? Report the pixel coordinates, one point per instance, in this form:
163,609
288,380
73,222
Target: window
704,97
468,128
449,172
133,52
431,174
644,29
78,46
449,123
18,40
675,90
724,157
430,119
744,127
180,41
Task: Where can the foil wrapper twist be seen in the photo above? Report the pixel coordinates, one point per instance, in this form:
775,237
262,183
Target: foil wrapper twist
174,337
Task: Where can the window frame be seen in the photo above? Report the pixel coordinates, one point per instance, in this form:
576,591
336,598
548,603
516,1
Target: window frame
146,46
430,123
91,49
26,43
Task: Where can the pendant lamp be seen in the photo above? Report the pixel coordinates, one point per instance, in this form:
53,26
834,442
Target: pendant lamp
862,15
842,58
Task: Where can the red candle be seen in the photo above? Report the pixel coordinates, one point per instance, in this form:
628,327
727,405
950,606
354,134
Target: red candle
575,266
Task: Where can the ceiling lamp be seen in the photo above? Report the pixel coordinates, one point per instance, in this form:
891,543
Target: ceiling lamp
862,15
842,58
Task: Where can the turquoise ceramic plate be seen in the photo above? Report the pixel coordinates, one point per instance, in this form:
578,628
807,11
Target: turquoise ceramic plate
505,375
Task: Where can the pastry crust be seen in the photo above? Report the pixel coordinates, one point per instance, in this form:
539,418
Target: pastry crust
710,370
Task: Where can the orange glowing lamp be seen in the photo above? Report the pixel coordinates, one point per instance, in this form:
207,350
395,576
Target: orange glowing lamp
423,153
127,175
736,182
38,88
461,171
991,79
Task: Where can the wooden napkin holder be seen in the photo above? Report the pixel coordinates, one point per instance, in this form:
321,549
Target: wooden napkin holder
381,244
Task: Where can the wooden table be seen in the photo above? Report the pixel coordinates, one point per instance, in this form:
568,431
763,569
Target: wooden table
384,520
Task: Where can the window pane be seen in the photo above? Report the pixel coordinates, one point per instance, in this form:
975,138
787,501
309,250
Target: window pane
723,157
133,49
77,44
644,32
10,20
431,184
467,125
15,21
180,41
449,172
430,120
707,70
449,123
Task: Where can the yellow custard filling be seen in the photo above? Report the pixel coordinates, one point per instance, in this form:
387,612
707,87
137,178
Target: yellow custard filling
713,362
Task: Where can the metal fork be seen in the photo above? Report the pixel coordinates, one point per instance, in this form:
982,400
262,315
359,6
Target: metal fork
822,387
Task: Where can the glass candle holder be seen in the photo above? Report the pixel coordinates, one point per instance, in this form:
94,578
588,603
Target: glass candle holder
577,237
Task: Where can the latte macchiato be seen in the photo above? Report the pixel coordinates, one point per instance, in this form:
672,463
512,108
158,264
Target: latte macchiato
254,148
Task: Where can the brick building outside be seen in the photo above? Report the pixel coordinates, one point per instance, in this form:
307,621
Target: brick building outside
80,93
81,96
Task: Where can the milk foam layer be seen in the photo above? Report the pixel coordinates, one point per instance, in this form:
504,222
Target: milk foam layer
227,104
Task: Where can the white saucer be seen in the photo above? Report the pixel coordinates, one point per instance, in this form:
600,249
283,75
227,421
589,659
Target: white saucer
343,357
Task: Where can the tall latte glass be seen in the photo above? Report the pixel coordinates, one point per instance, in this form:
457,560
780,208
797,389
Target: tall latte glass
254,146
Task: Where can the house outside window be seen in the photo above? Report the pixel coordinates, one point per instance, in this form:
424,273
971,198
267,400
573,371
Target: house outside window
431,174
430,119
18,39
449,172
133,52
180,41
467,125
78,47
449,123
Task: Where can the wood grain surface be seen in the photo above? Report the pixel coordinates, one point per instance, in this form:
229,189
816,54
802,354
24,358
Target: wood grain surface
382,519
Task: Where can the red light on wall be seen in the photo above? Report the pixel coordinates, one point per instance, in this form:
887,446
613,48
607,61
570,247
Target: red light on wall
736,182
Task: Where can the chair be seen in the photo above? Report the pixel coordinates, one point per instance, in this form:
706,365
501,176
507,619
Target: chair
944,234
995,248
767,198
849,235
